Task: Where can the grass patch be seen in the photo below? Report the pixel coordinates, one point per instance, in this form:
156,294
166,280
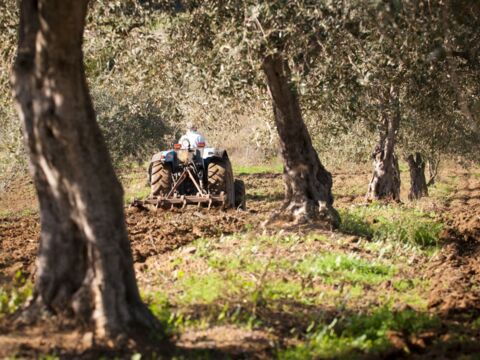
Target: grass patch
258,169
443,189
340,268
11,299
19,213
135,188
136,194
203,289
392,223
351,336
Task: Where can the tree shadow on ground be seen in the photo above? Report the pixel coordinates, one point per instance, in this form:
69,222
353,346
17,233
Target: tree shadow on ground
335,333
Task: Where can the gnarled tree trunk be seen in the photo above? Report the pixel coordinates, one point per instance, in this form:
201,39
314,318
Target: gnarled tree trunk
385,182
84,265
418,183
308,185
433,164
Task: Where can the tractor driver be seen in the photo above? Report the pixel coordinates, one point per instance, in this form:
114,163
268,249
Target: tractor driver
192,138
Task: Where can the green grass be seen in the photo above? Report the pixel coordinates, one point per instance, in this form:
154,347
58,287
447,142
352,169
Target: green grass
444,188
258,169
355,335
136,194
19,213
11,299
242,280
204,289
341,268
392,224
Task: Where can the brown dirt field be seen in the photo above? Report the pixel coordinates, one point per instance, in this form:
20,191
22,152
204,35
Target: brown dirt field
454,272
18,246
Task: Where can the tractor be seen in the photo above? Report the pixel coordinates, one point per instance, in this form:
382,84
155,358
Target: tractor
193,175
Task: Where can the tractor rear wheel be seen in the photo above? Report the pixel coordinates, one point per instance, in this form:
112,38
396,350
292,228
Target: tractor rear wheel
239,186
220,179
160,179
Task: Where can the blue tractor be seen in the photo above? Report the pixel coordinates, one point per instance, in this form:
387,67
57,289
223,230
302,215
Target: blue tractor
201,175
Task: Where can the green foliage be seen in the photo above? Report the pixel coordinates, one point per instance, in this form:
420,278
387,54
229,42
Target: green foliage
150,71
392,224
12,298
258,169
340,268
205,289
352,336
133,132
162,309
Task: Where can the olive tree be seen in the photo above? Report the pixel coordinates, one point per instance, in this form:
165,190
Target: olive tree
242,43
85,265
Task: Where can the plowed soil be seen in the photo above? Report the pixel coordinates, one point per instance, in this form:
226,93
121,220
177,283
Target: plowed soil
454,273
150,232
153,233
18,246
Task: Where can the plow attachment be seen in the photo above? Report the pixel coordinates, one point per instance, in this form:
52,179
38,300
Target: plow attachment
174,199
180,201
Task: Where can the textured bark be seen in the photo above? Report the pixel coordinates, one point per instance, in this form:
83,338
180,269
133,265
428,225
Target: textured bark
385,182
418,183
433,165
85,265
308,185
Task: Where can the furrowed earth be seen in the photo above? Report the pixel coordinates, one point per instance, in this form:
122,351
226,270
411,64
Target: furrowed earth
396,280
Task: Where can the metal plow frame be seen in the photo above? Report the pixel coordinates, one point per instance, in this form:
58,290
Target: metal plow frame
172,199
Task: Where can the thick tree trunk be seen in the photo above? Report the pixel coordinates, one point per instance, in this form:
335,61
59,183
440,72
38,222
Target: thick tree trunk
385,182
418,183
85,265
308,185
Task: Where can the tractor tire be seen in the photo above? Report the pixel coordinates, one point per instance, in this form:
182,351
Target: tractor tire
220,179
240,201
160,179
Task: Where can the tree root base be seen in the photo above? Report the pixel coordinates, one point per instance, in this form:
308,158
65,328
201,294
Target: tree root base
326,218
37,331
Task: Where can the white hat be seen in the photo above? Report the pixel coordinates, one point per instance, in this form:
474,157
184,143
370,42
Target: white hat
191,126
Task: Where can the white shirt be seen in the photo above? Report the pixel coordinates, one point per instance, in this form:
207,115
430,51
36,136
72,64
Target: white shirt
194,139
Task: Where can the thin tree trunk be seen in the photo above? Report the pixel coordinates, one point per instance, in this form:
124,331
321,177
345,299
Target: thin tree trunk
418,183
85,265
308,185
432,170
385,182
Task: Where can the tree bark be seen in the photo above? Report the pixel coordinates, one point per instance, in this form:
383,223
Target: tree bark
418,182
433,164
385,182
84,265
308,185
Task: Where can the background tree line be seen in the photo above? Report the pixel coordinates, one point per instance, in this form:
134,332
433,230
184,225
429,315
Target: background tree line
152,69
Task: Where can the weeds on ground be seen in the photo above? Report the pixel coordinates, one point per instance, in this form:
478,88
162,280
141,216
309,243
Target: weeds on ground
444,188
258,169
389,223
347,337
242,280
19,213
340,268
11,299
